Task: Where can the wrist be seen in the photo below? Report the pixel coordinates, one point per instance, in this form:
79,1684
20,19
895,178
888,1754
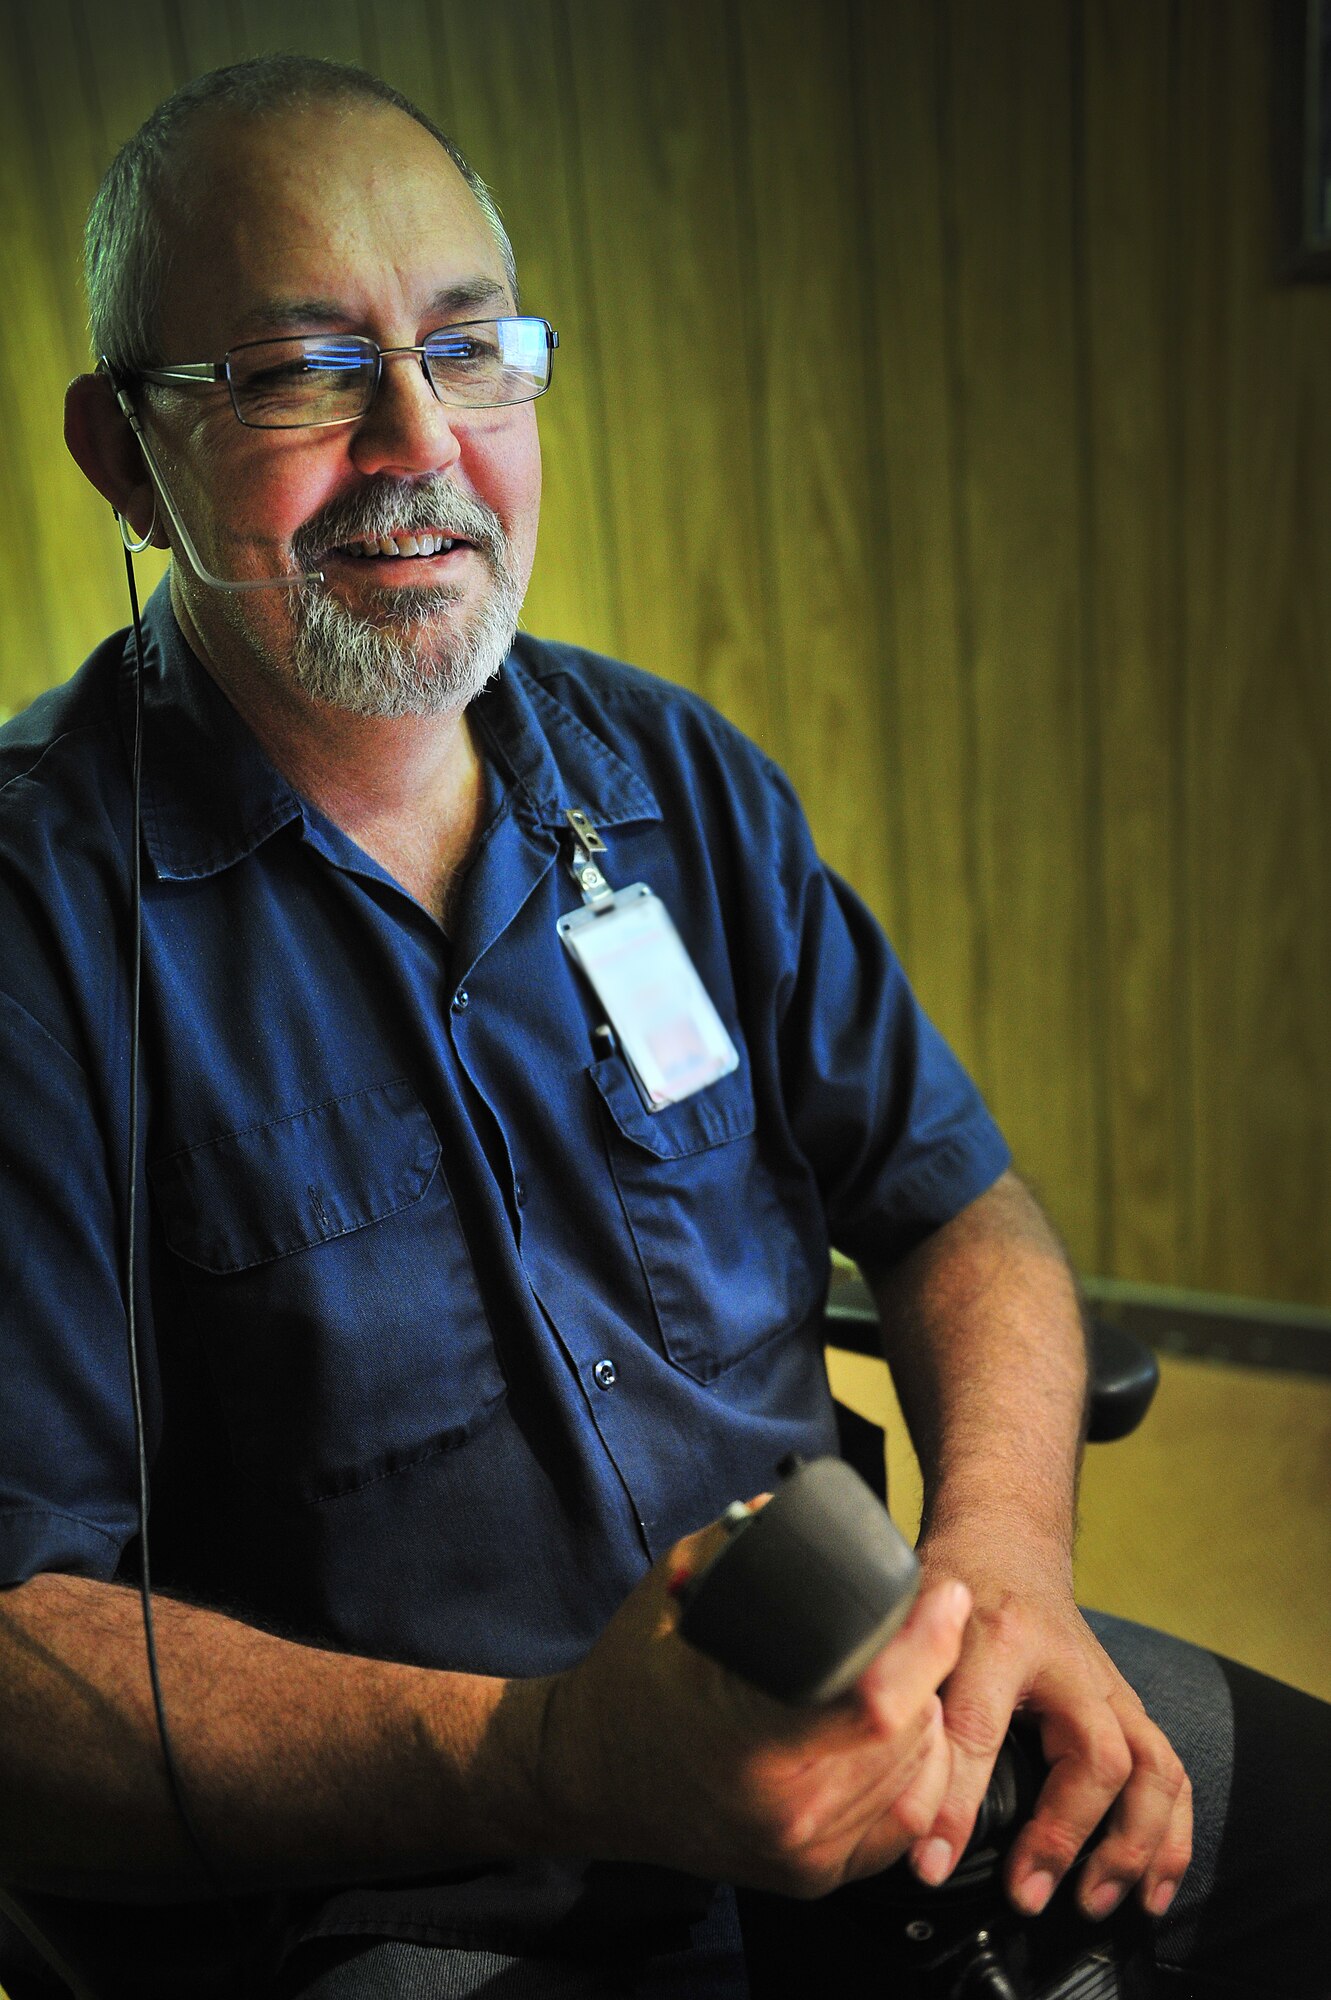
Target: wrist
1012,1544
484,1741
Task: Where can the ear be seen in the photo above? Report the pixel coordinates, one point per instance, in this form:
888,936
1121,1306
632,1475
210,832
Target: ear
106,451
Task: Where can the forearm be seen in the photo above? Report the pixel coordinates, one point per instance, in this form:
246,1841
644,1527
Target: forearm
985,1338
299,1765
983,1333
303,1766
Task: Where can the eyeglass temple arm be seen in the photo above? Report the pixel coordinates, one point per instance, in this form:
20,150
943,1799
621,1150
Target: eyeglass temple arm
294,581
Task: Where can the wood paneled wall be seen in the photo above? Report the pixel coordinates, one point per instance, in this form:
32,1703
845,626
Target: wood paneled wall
928,398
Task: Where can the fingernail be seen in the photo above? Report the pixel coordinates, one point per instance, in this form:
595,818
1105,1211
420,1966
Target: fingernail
680,1579
957,1602
1035,1891
932,1860
1160,1898
1105,1896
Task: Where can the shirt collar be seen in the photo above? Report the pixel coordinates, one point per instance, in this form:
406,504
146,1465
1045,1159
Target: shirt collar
211,796
547,757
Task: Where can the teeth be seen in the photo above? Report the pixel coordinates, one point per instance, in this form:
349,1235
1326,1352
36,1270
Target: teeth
404,545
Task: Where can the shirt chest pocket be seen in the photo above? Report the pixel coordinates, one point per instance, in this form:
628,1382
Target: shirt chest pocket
732,1257
327,1277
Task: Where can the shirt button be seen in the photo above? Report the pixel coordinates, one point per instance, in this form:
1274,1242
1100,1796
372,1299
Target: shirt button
461,1000
605,1374
520,1193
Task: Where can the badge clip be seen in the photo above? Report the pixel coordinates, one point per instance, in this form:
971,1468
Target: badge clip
596,891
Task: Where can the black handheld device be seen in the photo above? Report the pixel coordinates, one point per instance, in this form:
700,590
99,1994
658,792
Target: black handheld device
806,1590
802,1594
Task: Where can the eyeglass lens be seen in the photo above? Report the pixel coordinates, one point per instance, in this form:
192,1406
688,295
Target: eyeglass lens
328,378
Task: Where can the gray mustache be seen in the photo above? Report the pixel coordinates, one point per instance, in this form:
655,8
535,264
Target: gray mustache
413,508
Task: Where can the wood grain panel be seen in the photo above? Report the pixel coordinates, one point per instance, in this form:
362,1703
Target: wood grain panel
331,28
503,100
1031,589
651,88
210,35
1127,222
822,502
1257,501
897,58
25,384
1011,149
68,587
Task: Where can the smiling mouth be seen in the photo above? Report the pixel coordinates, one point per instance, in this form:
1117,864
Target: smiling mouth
371,548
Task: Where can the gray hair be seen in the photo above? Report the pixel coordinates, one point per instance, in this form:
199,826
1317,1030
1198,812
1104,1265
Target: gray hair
125,261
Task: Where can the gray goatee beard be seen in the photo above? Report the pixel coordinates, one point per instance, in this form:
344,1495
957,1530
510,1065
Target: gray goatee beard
406,657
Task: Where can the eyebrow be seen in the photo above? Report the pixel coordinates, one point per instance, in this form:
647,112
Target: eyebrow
286,315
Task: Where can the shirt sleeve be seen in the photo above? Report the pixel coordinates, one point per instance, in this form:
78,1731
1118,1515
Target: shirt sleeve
67,1480
896,1132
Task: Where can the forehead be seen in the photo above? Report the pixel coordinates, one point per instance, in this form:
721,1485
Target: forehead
353,205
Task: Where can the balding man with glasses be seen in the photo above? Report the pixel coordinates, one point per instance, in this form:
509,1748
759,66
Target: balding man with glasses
450,1054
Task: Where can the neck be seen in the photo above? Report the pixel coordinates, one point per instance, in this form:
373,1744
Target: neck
409,791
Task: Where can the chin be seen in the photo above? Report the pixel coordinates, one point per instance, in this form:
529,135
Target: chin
395,665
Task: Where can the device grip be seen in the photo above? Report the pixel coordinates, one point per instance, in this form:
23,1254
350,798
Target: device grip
806,1590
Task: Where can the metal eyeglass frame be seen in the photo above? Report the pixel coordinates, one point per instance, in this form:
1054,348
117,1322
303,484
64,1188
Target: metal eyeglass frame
220,371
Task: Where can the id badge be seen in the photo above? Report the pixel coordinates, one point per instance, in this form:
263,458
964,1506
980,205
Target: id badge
671,1035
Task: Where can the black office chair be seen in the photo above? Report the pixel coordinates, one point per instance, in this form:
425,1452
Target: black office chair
891,1936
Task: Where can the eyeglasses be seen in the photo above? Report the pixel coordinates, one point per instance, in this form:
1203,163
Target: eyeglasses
314,379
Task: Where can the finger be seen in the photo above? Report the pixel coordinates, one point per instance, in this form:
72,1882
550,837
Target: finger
895,1814
862,1787
873,1823
915,1809
977,1706
882,1719
901,1681
692,1553
1149,1834
1173,1856
1085,1778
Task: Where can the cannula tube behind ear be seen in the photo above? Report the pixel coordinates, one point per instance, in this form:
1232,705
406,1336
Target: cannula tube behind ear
295,581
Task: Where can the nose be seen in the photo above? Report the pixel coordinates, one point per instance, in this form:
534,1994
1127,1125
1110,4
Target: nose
407,430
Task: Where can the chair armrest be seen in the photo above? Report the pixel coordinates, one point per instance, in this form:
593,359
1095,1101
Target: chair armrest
1125,1375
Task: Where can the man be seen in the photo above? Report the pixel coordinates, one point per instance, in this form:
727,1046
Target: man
450,1345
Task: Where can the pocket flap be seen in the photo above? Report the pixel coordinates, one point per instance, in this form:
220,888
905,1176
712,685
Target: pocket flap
723,1110
252,1196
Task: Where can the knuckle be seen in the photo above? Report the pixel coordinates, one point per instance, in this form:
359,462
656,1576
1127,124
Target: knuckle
1157,1756
1174,1858
791,1830
1129,1858
1055,1846
1004,1625
1109,1759
890,1713
973,1726
804,1875
954,1822
1171,1773
913,1816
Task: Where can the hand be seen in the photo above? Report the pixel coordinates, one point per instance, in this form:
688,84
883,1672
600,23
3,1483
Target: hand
652,1752
1027,1646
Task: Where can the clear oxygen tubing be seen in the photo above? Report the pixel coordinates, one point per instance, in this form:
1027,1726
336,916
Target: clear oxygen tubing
296,580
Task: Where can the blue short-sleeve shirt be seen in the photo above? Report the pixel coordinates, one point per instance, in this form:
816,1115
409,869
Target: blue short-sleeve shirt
445,1337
